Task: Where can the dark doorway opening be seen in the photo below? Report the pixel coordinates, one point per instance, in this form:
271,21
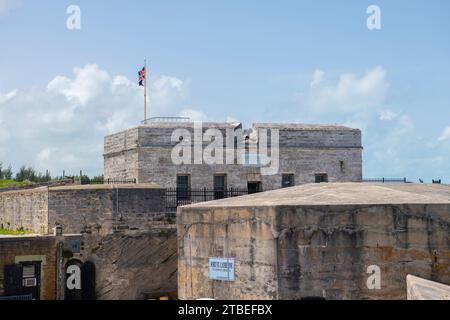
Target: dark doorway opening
31,274
220,185
287,180
183,187
321,177
88,280
254,187
23,279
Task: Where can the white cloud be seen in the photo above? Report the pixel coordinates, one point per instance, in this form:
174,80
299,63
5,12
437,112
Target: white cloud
44,154
317,77
348,98
349,94
4,97
8,5
194,115
231,120
197,115
391,149
62,125
359,120
89,83
165,89
405,125
387,115
445,135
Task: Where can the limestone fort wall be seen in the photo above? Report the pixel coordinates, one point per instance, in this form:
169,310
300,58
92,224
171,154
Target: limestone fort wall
303,250
126,232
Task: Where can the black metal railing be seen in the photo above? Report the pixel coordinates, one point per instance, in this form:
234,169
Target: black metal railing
119,181
176,197
386,180
165,120
17,298
108,181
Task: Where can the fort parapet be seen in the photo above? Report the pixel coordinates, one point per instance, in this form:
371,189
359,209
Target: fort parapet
307,153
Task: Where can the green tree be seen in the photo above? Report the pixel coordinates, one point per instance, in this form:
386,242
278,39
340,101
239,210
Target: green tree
26,174
30,174
5,174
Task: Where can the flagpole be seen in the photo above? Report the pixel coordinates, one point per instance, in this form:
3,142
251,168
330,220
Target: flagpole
145,91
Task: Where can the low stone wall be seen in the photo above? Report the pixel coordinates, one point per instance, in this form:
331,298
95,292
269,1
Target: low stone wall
38,185
126,232
25,209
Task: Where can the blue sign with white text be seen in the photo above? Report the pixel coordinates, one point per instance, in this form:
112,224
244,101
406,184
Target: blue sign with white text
221,269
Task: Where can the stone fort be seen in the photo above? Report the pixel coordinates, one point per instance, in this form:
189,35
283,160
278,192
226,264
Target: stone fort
307,153
314,240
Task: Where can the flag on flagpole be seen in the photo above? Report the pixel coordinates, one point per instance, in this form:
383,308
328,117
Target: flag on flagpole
143,83
142,75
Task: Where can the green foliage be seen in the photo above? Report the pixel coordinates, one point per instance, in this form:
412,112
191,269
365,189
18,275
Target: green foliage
97,179
31,175
5,174
13,183
19,231
28,175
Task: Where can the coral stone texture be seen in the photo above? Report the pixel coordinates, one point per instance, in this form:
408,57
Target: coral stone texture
144,153
126,230
317,241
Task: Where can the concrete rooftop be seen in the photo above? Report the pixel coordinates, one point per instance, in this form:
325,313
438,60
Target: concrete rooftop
302,126
340,194
271,125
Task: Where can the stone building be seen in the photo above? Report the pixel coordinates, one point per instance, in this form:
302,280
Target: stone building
307,153
331,241
126,232
30,264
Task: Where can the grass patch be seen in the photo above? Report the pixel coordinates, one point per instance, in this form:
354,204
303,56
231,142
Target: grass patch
18,232
13,183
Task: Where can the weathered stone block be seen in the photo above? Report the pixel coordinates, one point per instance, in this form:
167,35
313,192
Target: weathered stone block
317,241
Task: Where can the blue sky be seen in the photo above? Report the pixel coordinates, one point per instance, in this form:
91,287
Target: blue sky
62,90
